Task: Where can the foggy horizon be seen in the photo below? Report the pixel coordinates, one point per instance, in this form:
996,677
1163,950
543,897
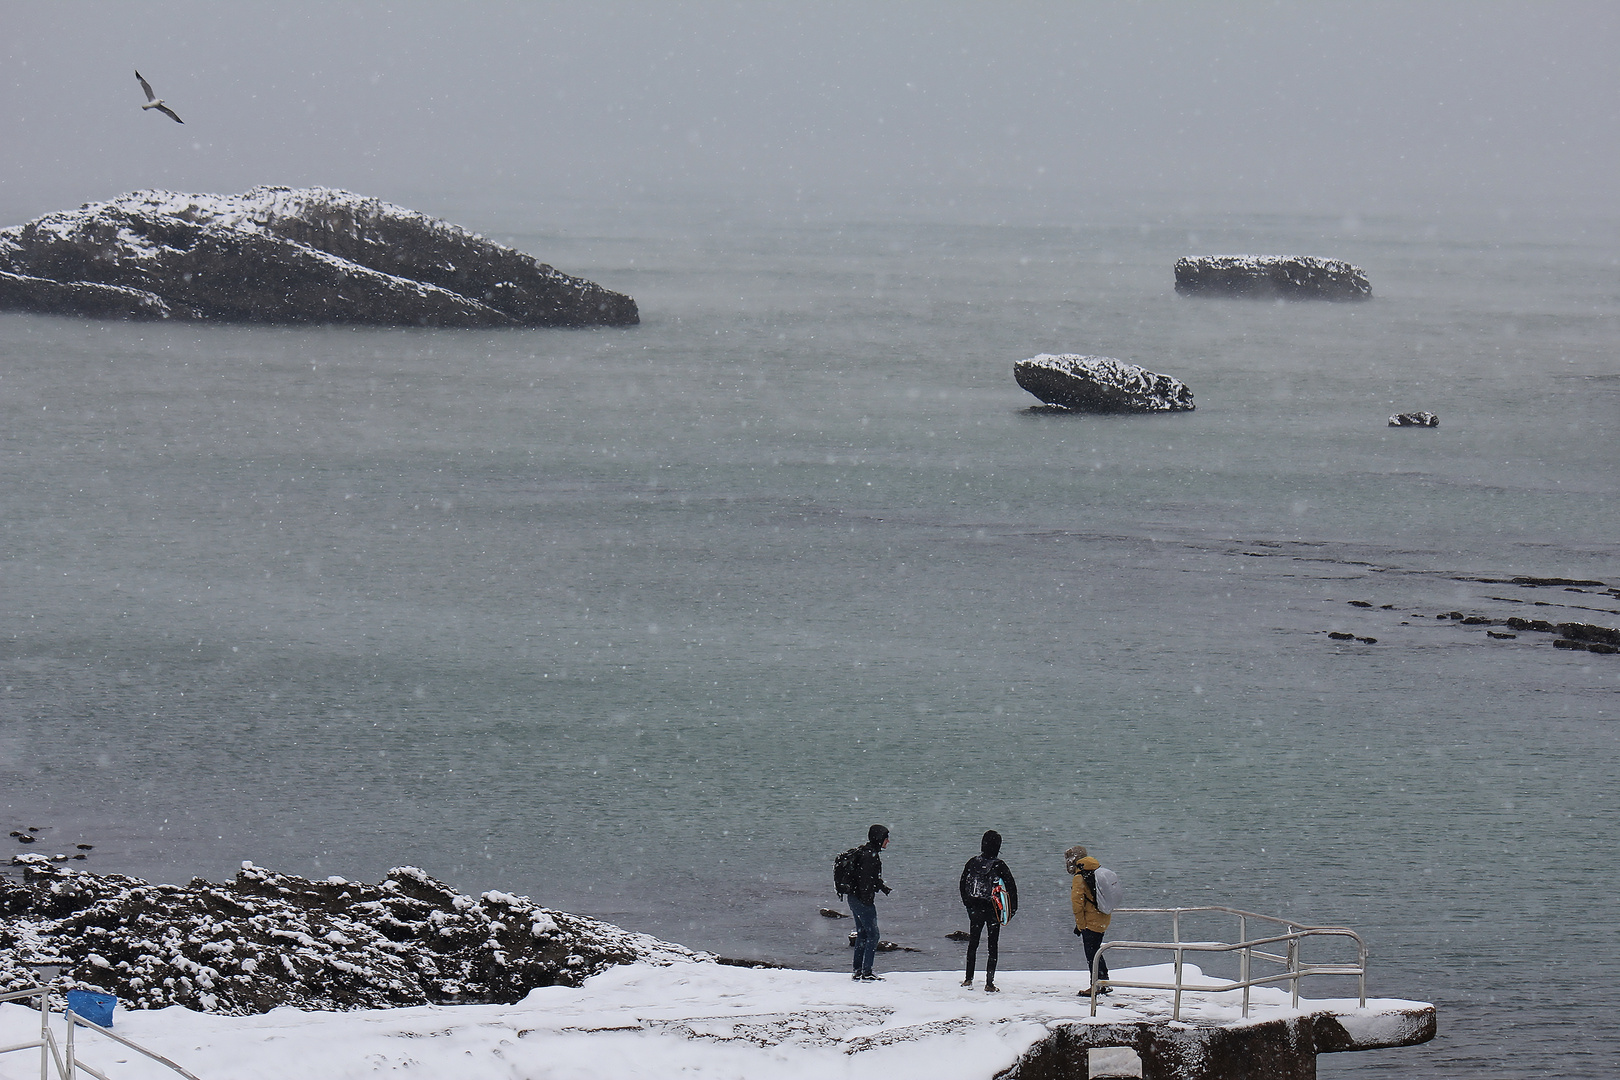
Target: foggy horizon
1037,111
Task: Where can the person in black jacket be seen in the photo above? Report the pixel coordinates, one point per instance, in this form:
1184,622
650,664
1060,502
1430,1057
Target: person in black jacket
863,900
978,880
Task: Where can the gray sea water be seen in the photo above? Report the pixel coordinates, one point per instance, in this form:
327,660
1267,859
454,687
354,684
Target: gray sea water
650,623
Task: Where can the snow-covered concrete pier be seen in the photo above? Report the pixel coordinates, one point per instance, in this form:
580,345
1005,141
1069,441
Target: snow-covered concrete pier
715,1022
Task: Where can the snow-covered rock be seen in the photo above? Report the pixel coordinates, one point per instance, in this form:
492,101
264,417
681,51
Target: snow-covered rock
268,940
285,255
1293,277
1414,419
1100,384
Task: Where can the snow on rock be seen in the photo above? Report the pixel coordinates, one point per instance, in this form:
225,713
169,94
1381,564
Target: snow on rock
285,255
712,1022
268,940
1292,277
1100,384
1414,419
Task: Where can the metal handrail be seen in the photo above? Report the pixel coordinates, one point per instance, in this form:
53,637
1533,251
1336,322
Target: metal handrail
1293,934
64,1057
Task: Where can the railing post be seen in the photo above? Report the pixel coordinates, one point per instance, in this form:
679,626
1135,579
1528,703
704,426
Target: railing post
67,1014
1175,1011
1175,926
1361,948
44,1033
1243,960
1293,968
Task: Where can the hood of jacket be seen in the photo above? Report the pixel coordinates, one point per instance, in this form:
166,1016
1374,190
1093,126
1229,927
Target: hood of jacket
1084,865
990,845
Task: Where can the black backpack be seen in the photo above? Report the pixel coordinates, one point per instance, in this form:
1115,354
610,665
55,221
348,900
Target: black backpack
981,879
844,871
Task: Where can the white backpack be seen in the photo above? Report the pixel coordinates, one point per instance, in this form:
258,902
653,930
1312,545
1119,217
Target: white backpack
1109,892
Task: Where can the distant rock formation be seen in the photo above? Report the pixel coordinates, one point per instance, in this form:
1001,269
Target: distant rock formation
284,255
1298,277
1414,419
267,940
1100,384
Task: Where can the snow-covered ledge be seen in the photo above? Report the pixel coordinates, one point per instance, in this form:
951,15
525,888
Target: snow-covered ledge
708,1021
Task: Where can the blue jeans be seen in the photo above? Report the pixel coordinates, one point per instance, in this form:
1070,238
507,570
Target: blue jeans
866,932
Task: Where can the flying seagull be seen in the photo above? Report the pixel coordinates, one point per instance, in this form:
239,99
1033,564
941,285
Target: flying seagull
155,102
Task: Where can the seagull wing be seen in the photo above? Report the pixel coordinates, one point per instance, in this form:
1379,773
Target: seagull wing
166,111
147,87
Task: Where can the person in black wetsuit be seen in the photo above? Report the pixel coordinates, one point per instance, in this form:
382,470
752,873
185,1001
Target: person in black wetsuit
978,879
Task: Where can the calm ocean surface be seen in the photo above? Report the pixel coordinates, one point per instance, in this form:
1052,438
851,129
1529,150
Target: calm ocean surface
650,623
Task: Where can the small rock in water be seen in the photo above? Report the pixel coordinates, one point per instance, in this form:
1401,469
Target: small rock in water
958,935
1337,636
829,913
1414,419
885,946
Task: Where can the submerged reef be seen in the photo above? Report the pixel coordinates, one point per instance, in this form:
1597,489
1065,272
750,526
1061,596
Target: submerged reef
287,256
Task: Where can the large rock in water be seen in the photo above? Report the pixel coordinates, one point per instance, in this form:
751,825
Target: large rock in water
1297,277
1100,384
285,255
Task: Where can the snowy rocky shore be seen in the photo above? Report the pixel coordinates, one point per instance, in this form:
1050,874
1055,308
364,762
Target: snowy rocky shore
285,255
712,1022
275,975
267,940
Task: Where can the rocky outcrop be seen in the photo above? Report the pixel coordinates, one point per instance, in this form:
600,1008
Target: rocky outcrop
269,939
284,255
1100,384
1296,277
1414,419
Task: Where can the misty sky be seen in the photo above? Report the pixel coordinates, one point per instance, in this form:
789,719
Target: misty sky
1333,107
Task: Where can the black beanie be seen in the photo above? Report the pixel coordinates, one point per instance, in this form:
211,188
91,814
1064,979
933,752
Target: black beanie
876,835
991,844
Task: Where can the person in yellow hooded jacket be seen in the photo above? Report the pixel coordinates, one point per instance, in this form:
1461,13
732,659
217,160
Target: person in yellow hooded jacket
1089,921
